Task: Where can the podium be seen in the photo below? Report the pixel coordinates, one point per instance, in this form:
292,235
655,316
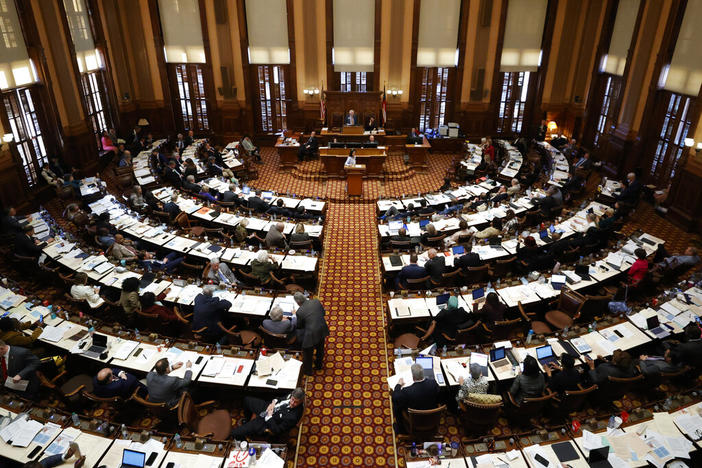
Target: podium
354,179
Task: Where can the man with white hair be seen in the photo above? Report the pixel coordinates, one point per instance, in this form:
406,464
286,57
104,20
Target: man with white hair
220,273
275,237
208,311
262,266
422,394
190,185
278,324
630,195
312,331
230,195
514,187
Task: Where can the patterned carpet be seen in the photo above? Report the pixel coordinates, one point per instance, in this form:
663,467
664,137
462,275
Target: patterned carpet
348,421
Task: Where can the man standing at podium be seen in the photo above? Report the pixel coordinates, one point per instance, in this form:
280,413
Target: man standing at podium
351,119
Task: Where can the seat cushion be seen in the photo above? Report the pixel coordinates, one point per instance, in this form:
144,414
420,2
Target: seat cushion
559,319
407,340
484,398
218,422
540,328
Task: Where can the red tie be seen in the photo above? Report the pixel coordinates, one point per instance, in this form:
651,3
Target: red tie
3,369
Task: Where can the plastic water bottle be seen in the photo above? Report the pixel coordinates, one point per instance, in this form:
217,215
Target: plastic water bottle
178,441
413,450
75,419
219,348
136,334
252,456
530,335
124,431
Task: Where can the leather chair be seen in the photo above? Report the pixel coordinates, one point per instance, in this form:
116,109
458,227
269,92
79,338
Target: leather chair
476,275
572,401
505,329
594,306
567,309
467,336
301,245
216,424
479,418
423,424
616,387
401,245
521,414
67,390
194,268
407,341
436,241
276,340
452,278
417,284
248,339
161,411
503,268
569,256
539,327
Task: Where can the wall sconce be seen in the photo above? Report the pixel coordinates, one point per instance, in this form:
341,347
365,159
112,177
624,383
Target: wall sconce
699,147
6,140
311,91
552,127
395,92
143,122
689,142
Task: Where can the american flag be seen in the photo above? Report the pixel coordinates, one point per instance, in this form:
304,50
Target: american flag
322,106
384,107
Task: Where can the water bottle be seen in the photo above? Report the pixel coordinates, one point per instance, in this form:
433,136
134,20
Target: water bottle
413,450
136,334
178,441
252,456
75,419
530,335
124,432
219,348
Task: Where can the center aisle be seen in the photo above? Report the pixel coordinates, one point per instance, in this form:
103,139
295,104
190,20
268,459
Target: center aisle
348,420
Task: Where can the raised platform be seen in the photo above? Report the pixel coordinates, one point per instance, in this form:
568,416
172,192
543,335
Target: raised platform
394,169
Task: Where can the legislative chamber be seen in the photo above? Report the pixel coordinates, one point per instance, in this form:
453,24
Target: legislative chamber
335,233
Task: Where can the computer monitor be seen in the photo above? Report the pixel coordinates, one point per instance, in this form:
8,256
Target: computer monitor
132,458
265,195
427,363
497,354
478,293
544,352
370,144
99,340
337,144
652,322
458,250
423,223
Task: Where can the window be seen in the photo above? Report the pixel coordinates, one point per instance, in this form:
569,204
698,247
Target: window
24,123
191,100
607,118
515,88
96,102
353,81
670,147
272,98
433,97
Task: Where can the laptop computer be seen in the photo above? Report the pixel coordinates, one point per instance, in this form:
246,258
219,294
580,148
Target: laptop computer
598,458
478,293
498,357
558,281
133,459
266,195
544,235
98,347
442,300
423,224
654,326
545,356
583,271
495,241
458,250
427,363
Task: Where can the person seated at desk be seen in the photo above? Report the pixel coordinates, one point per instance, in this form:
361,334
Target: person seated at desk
370,125
552,199
207,194
280,325
208,311
129,298
136,199
299,234
494,230
447,322
428,237
11,332
189,138
463,231
468,259
584,163
11,224
217,170
19,363
689,258
123,249
240,233
275,239
510,223
654,365
351,118
690,351
59,459
479,203
638,270
26,245
607,220
220,273
621,365
514,187
190,185
172,176
493,310
274,418
590,222
435,266
500,196
475,383
257,204
153,305
630,195
71,182
125,160
171,207
423,394
279,209
411,271
262,266
371,143
51,178
310,148
351,160
230,195
189,168
530,383
110,383
82,291
564,377
164,388
401,236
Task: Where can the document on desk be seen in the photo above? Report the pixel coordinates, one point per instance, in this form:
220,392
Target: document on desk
270,459
21,431
593,441
124,349
214,366
690,424
406,376
188,294
55,334
60,444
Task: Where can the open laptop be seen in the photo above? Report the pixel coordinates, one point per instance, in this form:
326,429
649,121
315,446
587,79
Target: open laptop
423,224
545,356
442,300
498,357
558,281
98,347
495,241
544,235
427,363
133,459
478,293
598,458
458,250
654,326
583,271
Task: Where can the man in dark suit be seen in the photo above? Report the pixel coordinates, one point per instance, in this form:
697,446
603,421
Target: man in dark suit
164,388
411,271
19,364
190,185
584,163
278,324
180,143
279,209
110,383
541,131
26,245
190,138
468,259
312,331
689,352
10,225
171,175
274,418
423,394
309,148
172,207
256,204
230,195
351,118
435,266
630,195
207,313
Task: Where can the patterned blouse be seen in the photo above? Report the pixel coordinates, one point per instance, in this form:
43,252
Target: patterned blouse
471,385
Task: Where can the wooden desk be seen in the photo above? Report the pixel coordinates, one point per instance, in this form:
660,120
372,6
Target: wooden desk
333,160
287,154
418,154
354,179
352,129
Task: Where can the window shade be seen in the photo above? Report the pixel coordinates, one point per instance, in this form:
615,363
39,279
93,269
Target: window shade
79,25
685,71
521,50
182,32
624,23
16,69
267,25
438,33
354,35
